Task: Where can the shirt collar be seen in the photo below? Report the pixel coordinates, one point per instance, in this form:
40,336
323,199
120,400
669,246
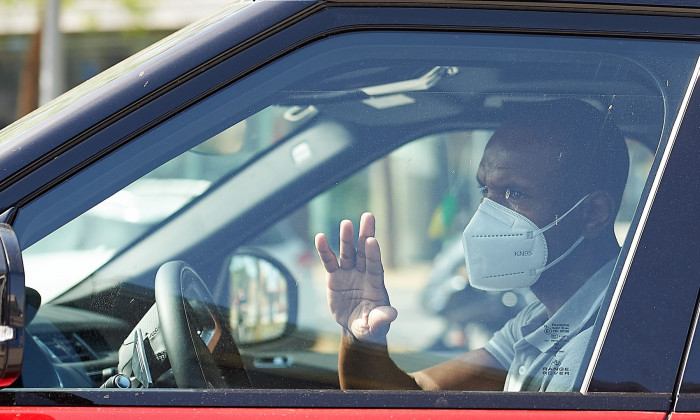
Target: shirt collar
573,316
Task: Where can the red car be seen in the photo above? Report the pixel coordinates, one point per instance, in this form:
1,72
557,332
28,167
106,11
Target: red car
158,221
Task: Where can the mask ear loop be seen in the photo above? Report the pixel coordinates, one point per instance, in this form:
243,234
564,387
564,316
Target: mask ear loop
571,248
559,219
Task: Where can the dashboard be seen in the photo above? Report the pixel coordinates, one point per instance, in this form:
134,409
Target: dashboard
68,347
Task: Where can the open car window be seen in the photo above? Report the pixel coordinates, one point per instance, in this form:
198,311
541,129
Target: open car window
395,123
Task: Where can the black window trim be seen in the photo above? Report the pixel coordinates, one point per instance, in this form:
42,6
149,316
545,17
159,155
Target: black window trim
636,239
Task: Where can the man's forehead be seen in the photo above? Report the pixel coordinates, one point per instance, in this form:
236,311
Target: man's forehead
528,138
517,159
510,147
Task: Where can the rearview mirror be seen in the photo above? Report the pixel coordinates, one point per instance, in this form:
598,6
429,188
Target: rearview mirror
263,297
12,306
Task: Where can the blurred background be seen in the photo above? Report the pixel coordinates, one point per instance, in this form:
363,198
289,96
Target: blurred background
50,46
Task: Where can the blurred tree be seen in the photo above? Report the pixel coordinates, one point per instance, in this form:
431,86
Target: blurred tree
28,92
41,75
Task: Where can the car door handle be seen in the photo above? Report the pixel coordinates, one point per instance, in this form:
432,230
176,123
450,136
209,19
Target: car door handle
272,362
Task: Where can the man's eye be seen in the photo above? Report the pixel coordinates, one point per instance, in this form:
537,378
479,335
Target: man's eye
513,194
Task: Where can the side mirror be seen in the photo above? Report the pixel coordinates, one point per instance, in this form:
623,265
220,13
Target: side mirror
12,306
263,297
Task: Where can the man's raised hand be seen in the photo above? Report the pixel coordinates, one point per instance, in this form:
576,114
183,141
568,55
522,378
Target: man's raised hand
357,296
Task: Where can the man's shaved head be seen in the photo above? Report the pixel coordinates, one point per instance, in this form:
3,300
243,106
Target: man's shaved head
587,151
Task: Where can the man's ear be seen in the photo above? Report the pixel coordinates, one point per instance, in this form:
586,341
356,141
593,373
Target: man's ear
599,212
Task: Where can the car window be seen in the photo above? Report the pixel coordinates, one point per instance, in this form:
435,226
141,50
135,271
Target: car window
426,192
201,231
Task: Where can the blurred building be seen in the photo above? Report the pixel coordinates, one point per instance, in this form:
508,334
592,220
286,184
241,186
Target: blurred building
94,36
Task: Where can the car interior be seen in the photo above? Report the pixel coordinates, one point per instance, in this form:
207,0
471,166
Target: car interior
185,258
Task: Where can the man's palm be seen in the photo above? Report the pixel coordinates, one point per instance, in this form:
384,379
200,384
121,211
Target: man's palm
357,296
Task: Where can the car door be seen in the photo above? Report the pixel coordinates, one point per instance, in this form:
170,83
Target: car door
255,143
685,389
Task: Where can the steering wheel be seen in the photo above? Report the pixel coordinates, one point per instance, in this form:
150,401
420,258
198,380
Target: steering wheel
188,317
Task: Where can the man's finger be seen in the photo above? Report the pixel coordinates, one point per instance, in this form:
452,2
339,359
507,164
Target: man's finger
347,245
366,231
375,269
330,263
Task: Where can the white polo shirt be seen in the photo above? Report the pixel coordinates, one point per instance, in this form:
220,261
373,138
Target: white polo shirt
545,354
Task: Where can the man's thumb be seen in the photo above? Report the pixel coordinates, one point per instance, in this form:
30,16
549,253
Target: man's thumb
381,315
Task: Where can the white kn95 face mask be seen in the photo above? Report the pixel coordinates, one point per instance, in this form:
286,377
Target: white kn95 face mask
505,250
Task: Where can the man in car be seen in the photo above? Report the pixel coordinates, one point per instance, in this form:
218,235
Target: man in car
552,179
